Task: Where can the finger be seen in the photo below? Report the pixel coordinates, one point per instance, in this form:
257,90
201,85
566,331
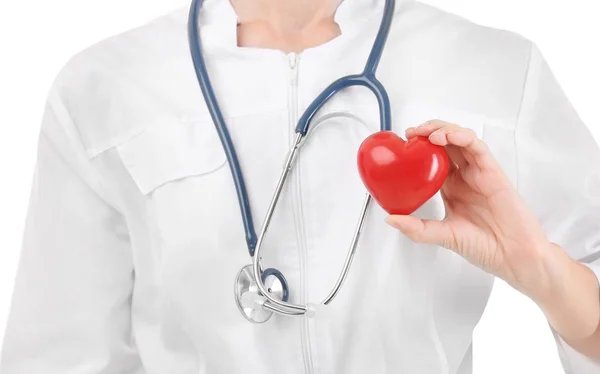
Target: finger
410,133
429,127
439,137
423,231
472,149
475,151
466,138
453,167
456,156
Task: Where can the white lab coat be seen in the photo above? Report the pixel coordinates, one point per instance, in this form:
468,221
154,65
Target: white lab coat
134,237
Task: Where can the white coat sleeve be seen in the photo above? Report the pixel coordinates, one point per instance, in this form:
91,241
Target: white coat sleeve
558,164
70,311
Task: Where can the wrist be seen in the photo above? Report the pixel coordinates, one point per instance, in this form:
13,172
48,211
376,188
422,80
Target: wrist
567,293
550,272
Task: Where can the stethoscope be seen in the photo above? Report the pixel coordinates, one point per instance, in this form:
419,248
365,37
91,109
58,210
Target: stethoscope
260,292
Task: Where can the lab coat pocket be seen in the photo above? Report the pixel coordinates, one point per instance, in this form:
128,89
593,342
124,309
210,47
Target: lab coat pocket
180,168
170,151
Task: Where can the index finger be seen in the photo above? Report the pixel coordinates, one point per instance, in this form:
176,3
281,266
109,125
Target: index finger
432,126
445,133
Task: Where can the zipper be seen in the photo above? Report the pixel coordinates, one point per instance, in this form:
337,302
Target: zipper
297,208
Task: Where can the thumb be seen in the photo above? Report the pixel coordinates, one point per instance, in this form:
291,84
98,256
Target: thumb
423,230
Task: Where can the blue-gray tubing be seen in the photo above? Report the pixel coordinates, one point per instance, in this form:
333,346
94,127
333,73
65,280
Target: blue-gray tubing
366,78
220,125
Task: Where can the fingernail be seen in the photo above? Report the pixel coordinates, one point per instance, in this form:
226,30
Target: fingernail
390,221
435,133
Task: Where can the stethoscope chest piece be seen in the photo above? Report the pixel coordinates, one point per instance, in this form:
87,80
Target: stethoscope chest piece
248,297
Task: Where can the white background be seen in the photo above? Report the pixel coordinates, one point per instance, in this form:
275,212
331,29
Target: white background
38,36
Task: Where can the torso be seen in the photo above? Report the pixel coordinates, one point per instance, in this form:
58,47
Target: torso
405,308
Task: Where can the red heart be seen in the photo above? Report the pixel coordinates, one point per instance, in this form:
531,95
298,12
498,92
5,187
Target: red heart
401,175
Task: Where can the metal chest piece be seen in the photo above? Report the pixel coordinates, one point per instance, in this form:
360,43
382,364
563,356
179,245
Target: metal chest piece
247,294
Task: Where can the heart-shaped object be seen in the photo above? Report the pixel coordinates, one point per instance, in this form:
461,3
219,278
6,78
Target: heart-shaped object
401,175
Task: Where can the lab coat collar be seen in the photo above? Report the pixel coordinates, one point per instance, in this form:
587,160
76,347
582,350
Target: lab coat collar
219,20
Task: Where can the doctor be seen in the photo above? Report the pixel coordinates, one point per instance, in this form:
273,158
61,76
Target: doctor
134,237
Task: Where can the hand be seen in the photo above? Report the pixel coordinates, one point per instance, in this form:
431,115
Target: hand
487,221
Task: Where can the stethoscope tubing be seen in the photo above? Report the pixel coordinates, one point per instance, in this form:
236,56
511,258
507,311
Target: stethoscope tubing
217,116
366,79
